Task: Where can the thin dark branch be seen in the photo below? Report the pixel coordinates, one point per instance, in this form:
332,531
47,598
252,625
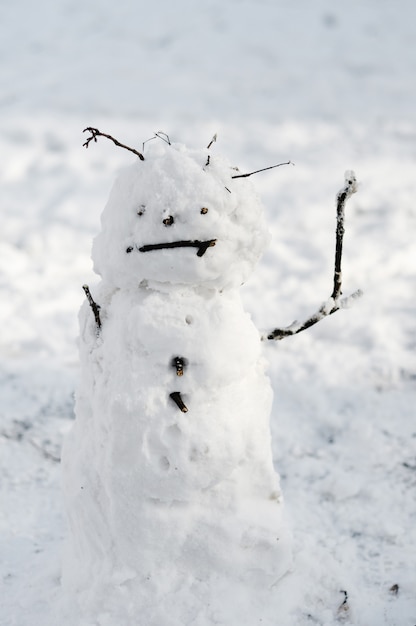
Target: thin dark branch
147,140
96,133
342,196
328,308
345,600
94,306
159,135
334,303
264,169
163,136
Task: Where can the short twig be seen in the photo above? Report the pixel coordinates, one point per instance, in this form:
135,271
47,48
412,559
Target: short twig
334,303
176,397
343,609
163,136
96,133
345,600
213,140
94,306
394,589
159,135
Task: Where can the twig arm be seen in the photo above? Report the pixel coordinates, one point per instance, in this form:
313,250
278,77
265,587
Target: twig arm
334,303
328,308
94,306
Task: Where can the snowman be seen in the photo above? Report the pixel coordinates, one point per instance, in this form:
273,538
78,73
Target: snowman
171,493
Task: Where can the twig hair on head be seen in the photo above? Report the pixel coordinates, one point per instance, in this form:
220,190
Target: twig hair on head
159,135
96,133
335,302
262,170
213,140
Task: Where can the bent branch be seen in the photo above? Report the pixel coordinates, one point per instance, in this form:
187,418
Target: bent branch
96,133
334,303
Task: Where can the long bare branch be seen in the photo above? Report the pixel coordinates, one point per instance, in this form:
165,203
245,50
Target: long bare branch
334,303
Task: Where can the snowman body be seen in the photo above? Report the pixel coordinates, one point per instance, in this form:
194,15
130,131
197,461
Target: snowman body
168,470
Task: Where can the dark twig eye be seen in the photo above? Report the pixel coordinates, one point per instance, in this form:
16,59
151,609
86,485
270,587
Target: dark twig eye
204,210
168,221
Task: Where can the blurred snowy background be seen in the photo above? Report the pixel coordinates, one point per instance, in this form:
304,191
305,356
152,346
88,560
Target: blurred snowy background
328,85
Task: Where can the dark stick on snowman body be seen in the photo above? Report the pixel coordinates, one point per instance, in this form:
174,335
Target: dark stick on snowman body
94,306
179,363
176,397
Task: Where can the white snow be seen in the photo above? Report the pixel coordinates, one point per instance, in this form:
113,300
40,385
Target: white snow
328,86
204,203
173,497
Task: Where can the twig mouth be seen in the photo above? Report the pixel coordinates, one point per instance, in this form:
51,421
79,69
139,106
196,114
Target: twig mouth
201,245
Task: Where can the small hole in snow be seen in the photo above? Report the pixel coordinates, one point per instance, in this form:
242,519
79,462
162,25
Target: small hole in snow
189,319
164,463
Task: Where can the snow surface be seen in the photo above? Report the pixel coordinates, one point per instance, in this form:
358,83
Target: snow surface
327,85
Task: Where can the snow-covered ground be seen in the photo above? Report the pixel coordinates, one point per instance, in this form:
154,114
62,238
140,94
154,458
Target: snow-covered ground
327,85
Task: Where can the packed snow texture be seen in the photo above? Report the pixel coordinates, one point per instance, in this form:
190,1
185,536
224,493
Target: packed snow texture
162,501
327,85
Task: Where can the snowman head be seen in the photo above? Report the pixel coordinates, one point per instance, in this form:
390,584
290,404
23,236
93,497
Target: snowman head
180,218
